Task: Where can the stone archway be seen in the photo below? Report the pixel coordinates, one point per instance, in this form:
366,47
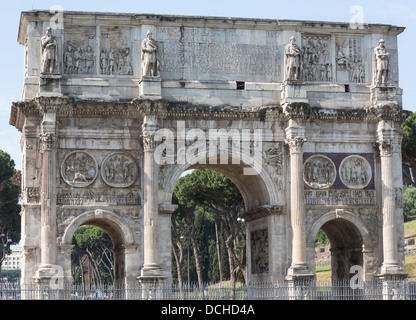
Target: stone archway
124,247
348,237
264,215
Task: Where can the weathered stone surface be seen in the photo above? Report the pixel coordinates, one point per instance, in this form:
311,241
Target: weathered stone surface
113,118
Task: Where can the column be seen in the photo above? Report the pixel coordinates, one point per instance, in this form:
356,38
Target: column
297,204
390,248
49,274
151,202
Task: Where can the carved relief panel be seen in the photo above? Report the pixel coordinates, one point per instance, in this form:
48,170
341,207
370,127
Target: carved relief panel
115,57
119,170
79,51
349,59
79,169
355,172
319,172
339,179
259,251
316,58
273,159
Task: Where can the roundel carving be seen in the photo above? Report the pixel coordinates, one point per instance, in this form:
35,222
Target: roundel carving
319,172
119,170
355,172
79,169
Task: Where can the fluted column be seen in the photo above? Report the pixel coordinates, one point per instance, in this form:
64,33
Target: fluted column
49,273
151,202
297,202
390,248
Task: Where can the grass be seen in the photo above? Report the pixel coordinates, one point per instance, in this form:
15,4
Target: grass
410,228
324,273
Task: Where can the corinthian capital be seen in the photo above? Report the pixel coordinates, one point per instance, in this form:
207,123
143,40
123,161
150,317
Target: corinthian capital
47,140
295,144
386,147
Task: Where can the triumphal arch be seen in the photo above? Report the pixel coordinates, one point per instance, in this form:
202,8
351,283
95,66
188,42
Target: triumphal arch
304,117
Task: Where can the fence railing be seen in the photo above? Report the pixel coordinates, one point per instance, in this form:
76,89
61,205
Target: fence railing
342,290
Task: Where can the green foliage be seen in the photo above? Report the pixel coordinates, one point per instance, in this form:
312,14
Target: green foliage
205,194
322,238
9,197
409,203
94,243
409,136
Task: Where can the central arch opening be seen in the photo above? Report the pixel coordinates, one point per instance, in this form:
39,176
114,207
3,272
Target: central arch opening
208,230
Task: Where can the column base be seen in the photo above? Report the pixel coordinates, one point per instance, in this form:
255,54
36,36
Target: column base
154,287
391,271
50,281
300,273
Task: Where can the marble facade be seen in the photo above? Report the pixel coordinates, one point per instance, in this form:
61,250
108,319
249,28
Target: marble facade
92,107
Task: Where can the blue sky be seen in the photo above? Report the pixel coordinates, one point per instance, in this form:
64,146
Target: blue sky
400,13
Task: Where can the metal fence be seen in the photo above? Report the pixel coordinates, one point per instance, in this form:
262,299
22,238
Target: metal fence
373,290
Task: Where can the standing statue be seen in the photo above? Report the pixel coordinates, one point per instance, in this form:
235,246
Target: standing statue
150,62
381,64
292,61
49,53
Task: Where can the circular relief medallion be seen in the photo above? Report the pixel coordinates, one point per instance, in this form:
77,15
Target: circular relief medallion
319,172
79,169
355,172
119,170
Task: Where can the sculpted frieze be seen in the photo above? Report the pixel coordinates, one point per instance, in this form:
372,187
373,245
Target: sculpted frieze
79,169
316,60
115,52
79,55
259,251
349,59
319,172
273,159
97,197
355,172
119,170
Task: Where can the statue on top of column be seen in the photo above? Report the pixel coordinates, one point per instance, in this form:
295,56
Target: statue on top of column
292,60
49,53
150,61
381,64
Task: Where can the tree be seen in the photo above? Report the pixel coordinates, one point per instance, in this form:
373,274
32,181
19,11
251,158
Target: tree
92,255
409,203
208,198
9,204
409,149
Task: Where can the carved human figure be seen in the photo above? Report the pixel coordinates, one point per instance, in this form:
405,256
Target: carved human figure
104,61
77,60
89,60
150,62
68,60
292,62
381,64
49,53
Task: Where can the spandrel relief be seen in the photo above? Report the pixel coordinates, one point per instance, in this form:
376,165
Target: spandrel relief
119,170
115,52
316,60
319,172
79,169
349,60
355,172
79,53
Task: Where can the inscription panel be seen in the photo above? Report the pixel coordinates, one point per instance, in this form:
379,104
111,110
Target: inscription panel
202,54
